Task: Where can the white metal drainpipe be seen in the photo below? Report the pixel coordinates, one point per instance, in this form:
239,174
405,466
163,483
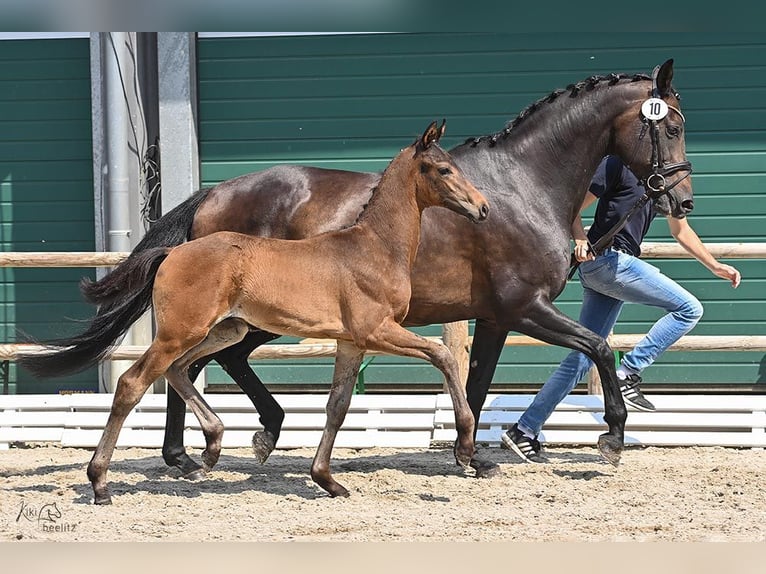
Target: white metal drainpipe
117,177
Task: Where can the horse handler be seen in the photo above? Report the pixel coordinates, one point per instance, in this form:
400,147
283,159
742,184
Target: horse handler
609,279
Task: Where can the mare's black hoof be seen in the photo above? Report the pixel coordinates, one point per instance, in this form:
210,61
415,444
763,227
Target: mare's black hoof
485,468
194,475
103,500
263,445
610,448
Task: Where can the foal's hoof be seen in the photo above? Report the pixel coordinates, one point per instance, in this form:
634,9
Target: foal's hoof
195,475
209,460
338,492
102,500
263,445
484,468
610,448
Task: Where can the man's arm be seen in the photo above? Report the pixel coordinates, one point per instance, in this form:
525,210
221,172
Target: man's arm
581,251
690,241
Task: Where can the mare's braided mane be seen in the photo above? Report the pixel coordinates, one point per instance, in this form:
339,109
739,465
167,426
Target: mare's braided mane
572,89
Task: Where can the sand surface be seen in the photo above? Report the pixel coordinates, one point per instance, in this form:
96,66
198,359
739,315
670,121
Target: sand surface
656,494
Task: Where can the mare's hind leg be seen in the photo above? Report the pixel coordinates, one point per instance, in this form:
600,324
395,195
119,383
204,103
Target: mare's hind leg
390,337
173,449
348,359
131,386
233,360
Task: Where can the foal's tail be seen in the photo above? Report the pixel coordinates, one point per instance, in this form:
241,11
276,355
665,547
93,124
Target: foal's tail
170,230
67,356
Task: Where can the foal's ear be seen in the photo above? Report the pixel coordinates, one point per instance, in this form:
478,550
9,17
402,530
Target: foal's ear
663,76
429,137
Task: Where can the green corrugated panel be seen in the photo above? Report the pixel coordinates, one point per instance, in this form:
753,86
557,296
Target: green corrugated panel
353,101
46,193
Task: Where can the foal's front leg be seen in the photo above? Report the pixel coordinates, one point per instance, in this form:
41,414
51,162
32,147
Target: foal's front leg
348,359
392,338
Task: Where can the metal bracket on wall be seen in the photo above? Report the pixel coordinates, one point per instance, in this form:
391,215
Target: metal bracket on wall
359,387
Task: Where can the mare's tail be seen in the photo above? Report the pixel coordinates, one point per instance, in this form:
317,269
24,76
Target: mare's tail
135,276
170,230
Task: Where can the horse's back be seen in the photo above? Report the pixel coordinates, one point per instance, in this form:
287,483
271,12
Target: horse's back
286,202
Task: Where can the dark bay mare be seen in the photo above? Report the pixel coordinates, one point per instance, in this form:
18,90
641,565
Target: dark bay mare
209,293
505,273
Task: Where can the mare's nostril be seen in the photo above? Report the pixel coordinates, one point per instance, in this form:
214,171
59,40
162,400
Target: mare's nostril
687,205
484,211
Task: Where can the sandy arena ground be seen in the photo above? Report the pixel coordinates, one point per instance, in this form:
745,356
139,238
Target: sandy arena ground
656,494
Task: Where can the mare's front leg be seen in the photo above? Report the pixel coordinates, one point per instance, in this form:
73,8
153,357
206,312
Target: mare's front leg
348,359
546,323
392,338
488,343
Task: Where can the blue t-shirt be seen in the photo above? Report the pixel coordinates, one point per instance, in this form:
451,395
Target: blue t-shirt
618,190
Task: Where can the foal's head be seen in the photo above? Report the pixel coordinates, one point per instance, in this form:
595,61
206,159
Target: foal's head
439,181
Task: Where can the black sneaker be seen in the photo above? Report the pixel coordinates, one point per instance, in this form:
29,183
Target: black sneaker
632,395
527,448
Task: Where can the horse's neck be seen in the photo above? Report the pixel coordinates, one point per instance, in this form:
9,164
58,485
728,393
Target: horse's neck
393,214
564,140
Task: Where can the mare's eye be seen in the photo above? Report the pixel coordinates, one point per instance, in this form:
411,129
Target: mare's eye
444,171
673,131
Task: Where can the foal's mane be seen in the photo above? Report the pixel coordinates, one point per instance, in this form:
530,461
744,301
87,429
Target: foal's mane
572,89
374,194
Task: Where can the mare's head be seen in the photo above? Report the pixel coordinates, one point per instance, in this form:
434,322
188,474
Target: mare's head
649,136
439,181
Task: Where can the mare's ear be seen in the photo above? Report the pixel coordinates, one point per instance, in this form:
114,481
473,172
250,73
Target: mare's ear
430,136
442,128
664,75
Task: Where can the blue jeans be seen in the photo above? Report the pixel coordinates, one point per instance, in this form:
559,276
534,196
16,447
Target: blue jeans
609,281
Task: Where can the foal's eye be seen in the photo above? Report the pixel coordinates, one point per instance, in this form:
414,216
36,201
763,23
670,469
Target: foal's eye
673,131
444,171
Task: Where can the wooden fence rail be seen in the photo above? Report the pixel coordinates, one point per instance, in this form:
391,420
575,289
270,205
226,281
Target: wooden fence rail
649,250
455,334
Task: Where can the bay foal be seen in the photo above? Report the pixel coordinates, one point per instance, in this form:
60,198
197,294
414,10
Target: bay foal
351,285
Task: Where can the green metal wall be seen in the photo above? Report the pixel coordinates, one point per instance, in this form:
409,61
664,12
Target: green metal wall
46,192
352,101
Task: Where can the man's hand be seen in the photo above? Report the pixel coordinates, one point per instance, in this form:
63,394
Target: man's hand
582,251
727,272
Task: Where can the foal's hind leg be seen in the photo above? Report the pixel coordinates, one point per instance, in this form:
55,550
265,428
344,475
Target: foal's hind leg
348,359
131,386
390,337
222,335
212,427
233,360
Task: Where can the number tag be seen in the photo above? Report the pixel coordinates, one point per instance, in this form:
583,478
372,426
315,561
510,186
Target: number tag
654,109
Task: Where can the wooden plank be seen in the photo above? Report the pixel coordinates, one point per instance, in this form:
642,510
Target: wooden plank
644,438
32,418
9,352
30,434
649,250
61,259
